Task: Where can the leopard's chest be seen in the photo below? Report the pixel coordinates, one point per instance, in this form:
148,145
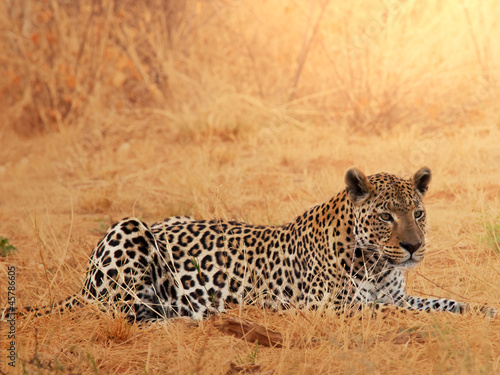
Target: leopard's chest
370,288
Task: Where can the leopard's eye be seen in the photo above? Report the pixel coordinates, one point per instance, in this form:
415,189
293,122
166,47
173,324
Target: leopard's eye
384,216
418,214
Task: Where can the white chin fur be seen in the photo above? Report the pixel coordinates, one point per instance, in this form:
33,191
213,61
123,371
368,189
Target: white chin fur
407,264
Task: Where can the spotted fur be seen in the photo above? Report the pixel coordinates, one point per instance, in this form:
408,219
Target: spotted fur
352,250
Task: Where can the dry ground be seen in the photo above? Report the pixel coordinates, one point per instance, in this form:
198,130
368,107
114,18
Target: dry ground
250,111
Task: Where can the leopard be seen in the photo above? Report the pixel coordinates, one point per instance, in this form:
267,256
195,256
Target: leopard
353,250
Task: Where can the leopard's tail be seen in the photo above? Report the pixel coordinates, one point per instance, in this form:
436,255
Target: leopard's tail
10,312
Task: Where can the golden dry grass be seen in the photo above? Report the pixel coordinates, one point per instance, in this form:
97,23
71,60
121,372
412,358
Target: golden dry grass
253,111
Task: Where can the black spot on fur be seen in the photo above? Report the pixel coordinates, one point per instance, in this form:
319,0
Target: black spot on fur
98,277
219,279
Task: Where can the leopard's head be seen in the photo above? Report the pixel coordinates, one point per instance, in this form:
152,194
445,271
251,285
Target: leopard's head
389,214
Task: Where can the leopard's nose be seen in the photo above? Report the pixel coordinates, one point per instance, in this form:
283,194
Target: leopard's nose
410,247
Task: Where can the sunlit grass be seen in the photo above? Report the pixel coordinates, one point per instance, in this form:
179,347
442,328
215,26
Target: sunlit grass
250,111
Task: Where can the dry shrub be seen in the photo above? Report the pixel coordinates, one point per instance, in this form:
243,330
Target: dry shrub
218,67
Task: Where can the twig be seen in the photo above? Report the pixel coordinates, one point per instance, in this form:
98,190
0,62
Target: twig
306,46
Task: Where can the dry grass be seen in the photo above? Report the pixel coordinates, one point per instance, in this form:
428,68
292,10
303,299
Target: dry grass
253,111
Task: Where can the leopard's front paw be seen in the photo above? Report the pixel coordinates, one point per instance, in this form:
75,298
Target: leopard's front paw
487,311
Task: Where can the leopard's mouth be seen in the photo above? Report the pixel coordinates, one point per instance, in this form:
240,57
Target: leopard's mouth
399,257
406,263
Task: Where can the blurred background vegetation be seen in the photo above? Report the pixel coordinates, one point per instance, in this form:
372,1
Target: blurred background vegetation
227,66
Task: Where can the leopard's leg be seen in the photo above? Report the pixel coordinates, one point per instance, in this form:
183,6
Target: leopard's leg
119,276
427,304
121,270
411,303
395,297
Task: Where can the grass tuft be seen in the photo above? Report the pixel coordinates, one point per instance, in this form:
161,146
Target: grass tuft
492,235
5,247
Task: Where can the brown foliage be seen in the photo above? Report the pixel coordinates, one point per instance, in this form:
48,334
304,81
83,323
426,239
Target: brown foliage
250,331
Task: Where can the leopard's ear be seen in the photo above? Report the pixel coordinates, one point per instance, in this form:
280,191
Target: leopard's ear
358,186
421,180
